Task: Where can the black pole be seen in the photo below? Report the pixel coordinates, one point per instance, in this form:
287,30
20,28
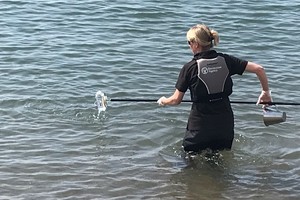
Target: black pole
233,102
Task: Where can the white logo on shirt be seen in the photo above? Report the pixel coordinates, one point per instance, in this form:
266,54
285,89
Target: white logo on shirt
204,70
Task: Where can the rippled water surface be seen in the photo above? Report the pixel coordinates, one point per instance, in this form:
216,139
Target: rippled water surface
55,55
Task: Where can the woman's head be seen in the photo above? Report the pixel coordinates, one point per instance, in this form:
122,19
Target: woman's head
203,36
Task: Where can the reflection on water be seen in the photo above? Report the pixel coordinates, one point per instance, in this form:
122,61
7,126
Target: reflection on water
236,174
204,176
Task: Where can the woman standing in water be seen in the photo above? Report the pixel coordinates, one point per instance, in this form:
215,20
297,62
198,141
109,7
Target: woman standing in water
208,77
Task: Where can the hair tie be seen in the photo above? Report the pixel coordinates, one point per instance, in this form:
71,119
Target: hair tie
211,37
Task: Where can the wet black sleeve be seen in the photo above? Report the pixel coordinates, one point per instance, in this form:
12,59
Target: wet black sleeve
235,65
182,81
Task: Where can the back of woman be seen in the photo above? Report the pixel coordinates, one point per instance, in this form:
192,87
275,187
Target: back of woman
208,77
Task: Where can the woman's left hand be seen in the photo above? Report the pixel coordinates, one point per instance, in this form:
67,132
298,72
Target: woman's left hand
160,100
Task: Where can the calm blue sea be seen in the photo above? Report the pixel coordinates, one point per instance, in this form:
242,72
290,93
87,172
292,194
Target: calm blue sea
55,55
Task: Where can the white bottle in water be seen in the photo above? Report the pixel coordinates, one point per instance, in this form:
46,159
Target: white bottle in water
101,101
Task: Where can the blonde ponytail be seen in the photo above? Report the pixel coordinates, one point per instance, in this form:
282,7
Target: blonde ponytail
203,36
215,37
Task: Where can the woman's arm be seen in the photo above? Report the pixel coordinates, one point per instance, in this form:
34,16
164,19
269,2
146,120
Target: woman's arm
260,73
265,95
175,99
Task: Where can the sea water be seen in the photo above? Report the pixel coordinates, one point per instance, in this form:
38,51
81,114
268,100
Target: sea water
55,55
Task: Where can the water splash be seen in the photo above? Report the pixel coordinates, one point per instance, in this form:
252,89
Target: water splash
101,102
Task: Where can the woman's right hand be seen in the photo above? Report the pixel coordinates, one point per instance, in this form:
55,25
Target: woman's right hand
265,96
